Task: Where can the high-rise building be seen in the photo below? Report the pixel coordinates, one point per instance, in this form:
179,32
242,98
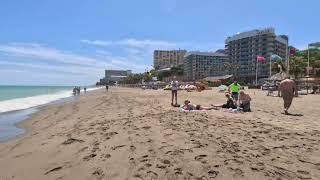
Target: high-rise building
243,49
198,65
168,58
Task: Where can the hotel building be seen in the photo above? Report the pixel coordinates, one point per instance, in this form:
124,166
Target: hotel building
168,58
198,65
243,49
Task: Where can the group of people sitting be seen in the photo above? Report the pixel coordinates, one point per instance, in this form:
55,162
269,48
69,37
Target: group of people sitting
238,99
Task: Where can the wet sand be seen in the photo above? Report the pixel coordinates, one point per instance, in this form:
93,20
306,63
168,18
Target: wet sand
135,134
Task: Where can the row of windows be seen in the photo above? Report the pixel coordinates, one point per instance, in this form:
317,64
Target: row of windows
168,53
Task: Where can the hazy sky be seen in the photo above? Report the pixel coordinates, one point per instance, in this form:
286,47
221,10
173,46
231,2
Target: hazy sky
71,42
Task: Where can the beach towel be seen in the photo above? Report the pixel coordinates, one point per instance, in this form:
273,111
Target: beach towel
230,110
183,110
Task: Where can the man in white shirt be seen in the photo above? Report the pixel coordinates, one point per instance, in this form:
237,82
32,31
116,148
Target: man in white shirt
174,91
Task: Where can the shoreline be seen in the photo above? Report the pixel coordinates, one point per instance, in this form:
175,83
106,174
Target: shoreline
28,113
130,133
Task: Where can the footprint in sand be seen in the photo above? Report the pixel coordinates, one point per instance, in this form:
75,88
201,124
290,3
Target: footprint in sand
166,161
72,140
91,133
213,174
132,148
105,156
53,170
146,127
201,158
98,173
178,171
303,174
237,171
152,175
116,147
145,166
161,166
168,152
144,158
151,151
88,157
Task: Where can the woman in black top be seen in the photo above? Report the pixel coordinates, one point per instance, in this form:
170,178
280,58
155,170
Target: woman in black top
229,104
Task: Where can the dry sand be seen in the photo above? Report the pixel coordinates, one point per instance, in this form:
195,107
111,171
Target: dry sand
134,134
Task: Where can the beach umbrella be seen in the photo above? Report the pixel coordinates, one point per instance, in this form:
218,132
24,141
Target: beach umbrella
275,57
279,76
222,87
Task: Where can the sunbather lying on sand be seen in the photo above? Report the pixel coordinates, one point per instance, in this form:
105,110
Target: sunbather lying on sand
188,106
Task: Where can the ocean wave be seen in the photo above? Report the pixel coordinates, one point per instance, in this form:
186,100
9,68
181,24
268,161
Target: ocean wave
33,101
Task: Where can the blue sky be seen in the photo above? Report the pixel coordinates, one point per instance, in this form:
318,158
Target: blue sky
71,42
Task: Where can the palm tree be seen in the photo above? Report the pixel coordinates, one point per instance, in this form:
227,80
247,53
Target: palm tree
275,66
232,68
298,66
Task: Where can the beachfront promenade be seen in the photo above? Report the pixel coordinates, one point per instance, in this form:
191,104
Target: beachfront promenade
129,133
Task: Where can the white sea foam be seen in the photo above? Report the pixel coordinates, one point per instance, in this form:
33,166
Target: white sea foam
28,102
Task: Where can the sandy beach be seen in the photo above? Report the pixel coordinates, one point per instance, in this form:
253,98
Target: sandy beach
136,134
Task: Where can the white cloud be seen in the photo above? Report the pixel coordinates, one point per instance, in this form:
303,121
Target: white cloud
141,50
76,70
40,59
97,42
43,52
131,42
131,53
302,47
146,43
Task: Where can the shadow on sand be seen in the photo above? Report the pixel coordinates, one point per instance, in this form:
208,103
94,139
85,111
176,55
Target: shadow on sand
289,114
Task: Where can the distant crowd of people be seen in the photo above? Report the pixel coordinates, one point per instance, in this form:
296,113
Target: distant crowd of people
76,90
236,97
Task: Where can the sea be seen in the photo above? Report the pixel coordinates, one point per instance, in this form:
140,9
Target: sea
18,102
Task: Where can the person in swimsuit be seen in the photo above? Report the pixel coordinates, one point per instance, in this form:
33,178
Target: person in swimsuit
287,90
244,101
188,106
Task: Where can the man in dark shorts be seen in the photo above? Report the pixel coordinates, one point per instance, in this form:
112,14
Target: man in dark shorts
234,89
107,87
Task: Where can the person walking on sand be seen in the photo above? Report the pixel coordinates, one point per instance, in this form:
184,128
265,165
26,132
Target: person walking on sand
107,87
288,90
234,88
85,90
174,91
